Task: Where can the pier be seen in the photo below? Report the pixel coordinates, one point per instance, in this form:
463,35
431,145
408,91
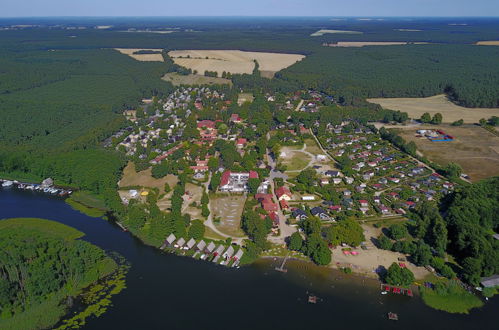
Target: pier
281,268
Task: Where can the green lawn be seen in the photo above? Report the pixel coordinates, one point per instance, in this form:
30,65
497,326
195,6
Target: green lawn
451,298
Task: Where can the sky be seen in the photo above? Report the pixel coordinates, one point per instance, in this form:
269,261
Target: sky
30,8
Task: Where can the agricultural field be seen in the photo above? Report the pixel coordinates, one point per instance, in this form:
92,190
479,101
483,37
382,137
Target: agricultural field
451,112
229,210
323,32
474,148
142,57
144,179
372,43
233,61
488,43
194,79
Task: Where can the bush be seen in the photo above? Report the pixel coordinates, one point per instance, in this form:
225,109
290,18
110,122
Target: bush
398,231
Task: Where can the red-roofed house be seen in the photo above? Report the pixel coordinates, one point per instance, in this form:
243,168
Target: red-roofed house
284,204
206,123
253,175
236,182
269,206
275,218
235,118
363,203
283,193
241,142
262,197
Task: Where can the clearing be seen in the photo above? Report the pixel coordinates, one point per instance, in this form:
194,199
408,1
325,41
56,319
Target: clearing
194,79
299,158
368,260
451,112
229,209
142,57
193,194
244,97
233,61
372,43
488,43
323,32
144,179
474,148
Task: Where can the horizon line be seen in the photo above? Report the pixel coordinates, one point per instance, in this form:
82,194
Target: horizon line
255,16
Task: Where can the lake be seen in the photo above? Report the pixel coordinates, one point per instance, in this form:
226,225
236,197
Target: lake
169,292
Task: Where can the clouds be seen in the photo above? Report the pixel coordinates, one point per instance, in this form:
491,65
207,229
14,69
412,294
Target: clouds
12,8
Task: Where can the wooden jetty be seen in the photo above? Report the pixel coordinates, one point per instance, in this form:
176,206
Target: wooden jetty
396,290
281,268
121,226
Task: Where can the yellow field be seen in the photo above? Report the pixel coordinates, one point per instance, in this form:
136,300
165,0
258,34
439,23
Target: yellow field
372,43
233,61
451,112
142,57
488,43
144,179
323,32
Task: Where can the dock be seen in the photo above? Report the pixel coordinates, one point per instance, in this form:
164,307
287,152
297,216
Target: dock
281,268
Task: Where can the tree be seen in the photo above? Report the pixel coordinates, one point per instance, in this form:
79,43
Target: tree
437,119
482,122
425,118
398,231
295,242
453,170
316,248
348,231
422,255
205,211
399,276
196,230
253,185
458,122
384,242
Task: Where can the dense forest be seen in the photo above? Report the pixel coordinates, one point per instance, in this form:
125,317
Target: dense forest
41,263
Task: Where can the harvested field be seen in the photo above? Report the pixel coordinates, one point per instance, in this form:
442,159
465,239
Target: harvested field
451,112
233,61
474,148
142,57
194,79
229,209
323,32
488,43
144,179
372,43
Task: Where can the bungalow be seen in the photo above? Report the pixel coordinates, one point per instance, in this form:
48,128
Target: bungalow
238,255
332,174
283,193
275,218
363,203
210,248
229,253
201,245
489,282
308,198
347,193
299,214
377,199
190,243
410,204
384,209
394,180
336,208
348,180
393,195
241,142
319,212
180,243
263,197
324,181
336,180
235,118
209,124
219,250
170,239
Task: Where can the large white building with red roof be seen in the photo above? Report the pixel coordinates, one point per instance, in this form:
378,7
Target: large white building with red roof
236,181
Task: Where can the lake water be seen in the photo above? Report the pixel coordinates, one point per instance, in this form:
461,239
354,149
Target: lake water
169,292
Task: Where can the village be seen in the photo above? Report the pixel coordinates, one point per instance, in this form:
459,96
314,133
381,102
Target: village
279,171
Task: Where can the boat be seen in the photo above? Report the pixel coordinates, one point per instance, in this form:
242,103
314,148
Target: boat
384,292
7,184
393,316
312,299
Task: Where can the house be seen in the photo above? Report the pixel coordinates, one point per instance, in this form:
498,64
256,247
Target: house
363,203
241,142
347,193
299,214
336,180
219,250
190,243
332,174
410,204
308,198
324,181
201,245
236,182
336,208
384,209
283,193
209,124
284,204
489,282
377,199
235,118
180,243
210,247
275,218
348,180
238,255
269,206
262,197
170,239
319,212
393,195
229,253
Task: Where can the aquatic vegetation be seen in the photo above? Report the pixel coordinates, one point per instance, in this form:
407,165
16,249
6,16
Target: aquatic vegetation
450,296
90,211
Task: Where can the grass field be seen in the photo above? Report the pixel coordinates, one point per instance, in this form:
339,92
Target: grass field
142,57
323,32
229,209
233,61
194,79
474,148
453,299
416,107
488,43
144,179
47,227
